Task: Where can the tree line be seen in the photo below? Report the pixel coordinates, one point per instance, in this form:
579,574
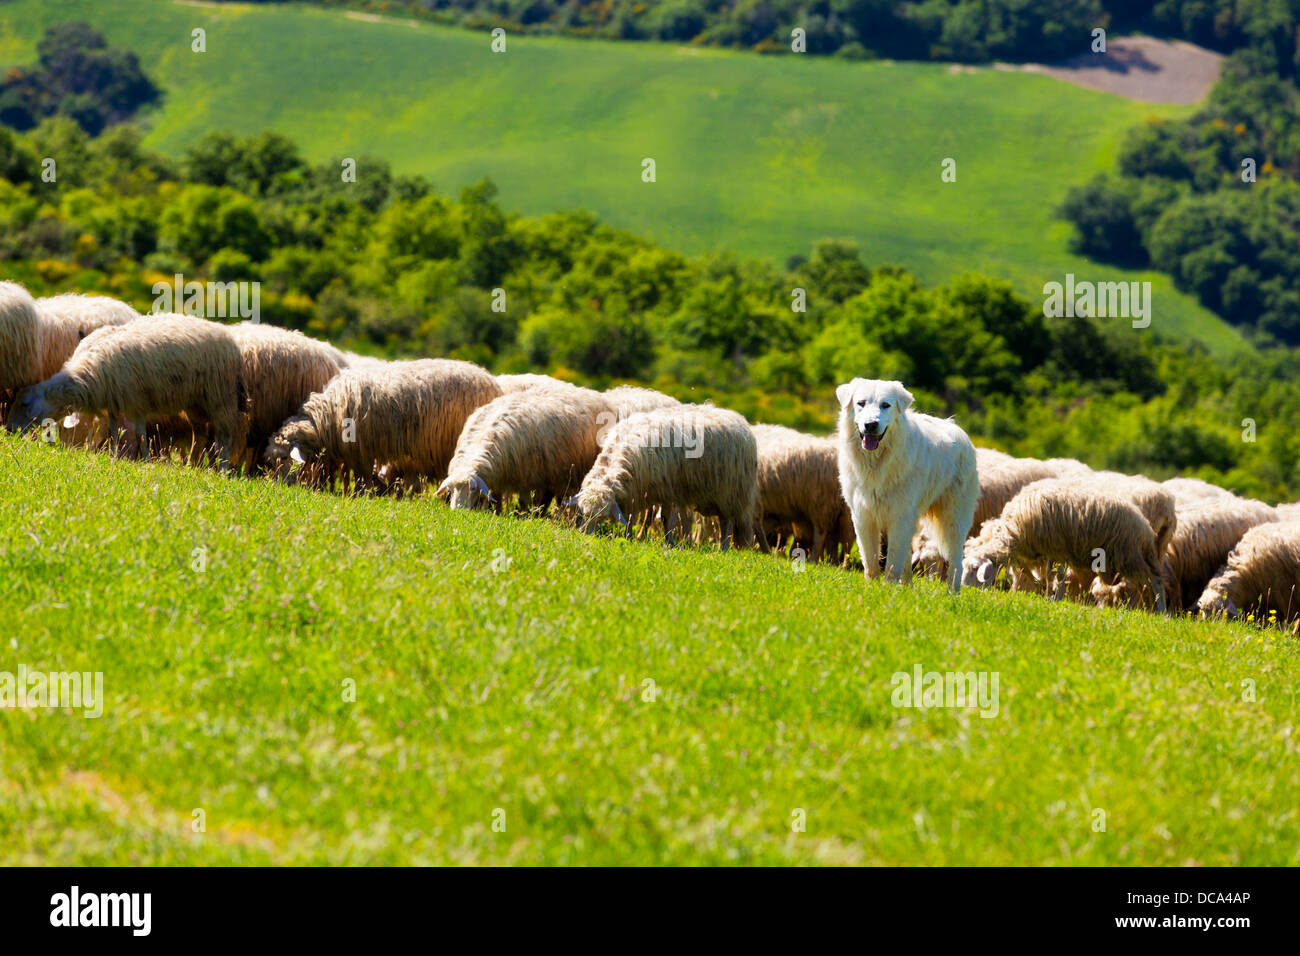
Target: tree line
389,265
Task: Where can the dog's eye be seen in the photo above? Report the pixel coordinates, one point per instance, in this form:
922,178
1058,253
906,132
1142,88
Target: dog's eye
862,404
884,405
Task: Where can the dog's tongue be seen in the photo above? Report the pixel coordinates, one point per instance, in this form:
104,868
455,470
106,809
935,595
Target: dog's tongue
869,442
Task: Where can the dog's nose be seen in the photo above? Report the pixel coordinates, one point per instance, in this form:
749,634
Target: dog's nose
871,426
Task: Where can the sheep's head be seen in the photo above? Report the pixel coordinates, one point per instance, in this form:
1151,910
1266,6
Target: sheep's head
1216,603
1112,595
296,443
471,492
926,557
594,509
978,571
30,408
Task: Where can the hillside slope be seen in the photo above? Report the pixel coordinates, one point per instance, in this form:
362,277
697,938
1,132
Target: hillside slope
501,664
755,155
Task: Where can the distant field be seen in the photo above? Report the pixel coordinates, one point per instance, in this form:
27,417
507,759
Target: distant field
500,664
757,155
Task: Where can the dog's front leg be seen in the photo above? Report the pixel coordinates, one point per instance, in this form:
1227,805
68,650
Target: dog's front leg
868,532
898,562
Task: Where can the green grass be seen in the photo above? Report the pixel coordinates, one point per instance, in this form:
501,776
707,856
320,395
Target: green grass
756,155
520,688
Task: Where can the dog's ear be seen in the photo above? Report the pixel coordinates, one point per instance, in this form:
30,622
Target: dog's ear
845,394
905,398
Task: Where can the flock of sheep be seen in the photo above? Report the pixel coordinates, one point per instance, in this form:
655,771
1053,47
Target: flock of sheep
260,399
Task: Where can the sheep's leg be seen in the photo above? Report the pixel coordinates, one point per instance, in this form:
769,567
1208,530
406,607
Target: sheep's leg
671,519
142,450
819,542
139,440
728,529
744,533
1059,593
868,533
223,454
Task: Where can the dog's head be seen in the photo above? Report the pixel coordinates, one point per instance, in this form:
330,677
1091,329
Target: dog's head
873,406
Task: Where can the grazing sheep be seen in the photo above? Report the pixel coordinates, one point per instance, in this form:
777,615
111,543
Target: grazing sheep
625,400
1154,502
1058,521
1207,532
281,368
142,371
536,442
67,319
1187,491
20,341
526,380
1261,576
799,486
687,456
398,423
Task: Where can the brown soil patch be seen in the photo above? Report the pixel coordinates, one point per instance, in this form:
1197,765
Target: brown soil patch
1139,68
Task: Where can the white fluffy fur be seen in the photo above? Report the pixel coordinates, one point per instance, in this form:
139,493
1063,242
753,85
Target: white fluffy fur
922,468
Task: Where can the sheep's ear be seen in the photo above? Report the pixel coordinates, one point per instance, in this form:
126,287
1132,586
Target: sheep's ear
571,503
71,421
296,454
845,394
618,516
985,573
444,489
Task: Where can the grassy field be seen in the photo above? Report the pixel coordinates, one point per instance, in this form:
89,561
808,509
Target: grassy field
756,155
499,664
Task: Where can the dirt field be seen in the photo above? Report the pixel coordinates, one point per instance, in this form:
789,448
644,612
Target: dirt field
1139,68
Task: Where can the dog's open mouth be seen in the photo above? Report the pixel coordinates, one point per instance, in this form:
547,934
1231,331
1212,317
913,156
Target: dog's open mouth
871,442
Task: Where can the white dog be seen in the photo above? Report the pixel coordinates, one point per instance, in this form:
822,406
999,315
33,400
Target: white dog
898,467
